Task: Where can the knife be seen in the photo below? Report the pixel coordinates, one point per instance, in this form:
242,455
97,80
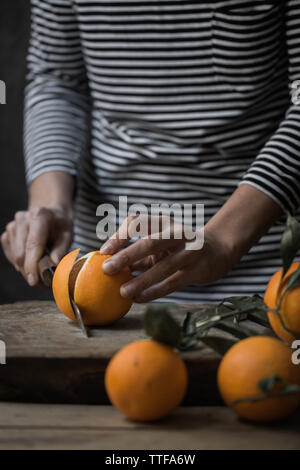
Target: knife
78,316
46,270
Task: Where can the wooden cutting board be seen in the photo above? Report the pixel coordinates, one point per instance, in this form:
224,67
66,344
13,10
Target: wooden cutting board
48,360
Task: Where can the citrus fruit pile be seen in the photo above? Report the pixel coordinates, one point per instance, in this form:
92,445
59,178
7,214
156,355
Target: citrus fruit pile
257,377
147,379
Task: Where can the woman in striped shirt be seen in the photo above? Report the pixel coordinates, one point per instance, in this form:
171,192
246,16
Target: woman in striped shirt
173,101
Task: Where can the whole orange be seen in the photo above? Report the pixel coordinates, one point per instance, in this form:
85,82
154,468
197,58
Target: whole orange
96,294
290,305
248,362
146,380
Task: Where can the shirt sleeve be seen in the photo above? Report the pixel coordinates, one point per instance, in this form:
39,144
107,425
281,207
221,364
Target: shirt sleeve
57,102
276,170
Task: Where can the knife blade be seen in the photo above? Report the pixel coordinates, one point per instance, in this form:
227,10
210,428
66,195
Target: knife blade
78,316
46,270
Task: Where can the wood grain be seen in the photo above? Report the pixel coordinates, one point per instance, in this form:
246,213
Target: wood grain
50,361
31,426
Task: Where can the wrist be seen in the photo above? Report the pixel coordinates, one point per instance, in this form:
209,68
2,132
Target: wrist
245,217
55,206
52,190
224,246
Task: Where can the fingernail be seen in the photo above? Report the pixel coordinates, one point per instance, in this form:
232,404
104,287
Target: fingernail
126,291
31,279
55,258
106,248
109,266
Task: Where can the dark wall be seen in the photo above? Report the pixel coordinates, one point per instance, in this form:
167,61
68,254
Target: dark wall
14,31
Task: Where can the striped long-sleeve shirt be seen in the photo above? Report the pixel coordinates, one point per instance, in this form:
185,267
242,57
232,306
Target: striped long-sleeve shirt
168,101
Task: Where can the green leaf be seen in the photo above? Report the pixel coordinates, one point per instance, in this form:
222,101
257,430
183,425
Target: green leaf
245,302
249,307
261,318
205,314
278,312
161,326
188,326
206,324
267,386
188,342
236,330
290,242
294,280
190,330
220,345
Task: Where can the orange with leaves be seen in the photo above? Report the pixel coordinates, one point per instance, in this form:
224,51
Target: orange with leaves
146,380
96,294
258,380
287,319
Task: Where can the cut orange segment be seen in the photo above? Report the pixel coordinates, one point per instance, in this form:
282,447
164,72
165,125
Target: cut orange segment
60,283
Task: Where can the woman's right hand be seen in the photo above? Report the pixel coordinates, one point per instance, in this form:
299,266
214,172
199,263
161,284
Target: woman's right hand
26,237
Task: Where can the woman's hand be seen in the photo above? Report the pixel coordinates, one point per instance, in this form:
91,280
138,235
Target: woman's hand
47,222
26,237
228,235
167,263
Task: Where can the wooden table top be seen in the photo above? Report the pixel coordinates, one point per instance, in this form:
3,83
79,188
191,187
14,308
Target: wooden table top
33,426
50,361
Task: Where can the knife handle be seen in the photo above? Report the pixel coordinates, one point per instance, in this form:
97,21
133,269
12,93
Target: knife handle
46,269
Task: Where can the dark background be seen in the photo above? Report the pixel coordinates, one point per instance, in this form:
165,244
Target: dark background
14,32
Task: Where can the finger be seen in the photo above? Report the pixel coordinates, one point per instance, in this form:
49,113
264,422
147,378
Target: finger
148,261
11,243
39,228
152,276
138,250
142,264
21,237
61,246
119,239
8,252
6,246
173,283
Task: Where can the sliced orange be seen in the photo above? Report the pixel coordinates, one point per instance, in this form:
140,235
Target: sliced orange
96,293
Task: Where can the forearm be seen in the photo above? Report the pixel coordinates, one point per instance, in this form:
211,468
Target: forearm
53,189
245,217
57,98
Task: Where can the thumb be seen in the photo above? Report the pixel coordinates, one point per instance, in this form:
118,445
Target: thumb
60,246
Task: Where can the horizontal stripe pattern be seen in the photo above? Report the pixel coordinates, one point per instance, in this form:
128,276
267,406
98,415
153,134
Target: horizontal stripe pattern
167,101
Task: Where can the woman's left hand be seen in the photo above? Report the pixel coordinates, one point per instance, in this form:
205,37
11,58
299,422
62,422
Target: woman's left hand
166,263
